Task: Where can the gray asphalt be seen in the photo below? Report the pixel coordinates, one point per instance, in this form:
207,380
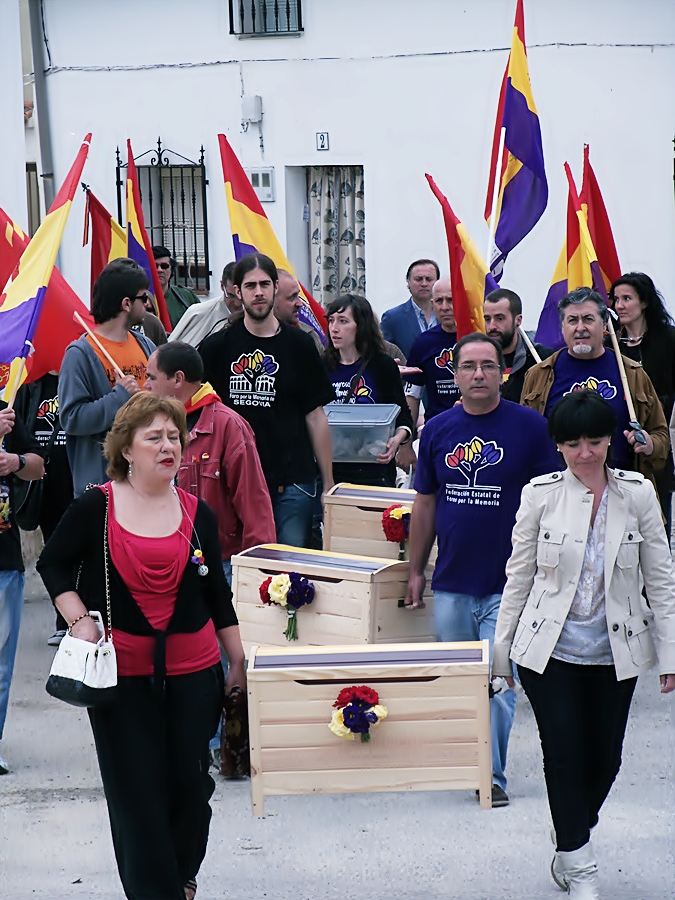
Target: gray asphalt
55,842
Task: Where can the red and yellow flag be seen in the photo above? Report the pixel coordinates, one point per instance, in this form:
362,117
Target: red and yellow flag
108,238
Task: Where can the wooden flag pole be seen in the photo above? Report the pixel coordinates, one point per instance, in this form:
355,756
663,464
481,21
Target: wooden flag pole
528,343
78,318
495,196
634,424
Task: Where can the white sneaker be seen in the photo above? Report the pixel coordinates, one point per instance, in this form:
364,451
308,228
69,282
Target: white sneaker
4,766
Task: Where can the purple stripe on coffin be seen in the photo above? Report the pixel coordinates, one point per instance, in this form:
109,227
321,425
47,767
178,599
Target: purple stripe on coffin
294,557
367,657
523,132
396,495
548,330
523,202
241,249
17,326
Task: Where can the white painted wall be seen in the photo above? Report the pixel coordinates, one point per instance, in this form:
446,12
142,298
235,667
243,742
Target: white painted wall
13,150
403,89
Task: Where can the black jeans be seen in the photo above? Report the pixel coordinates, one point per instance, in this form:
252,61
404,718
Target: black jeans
581,713
154,761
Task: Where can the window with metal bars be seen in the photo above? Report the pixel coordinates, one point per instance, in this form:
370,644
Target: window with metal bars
173,194
257,18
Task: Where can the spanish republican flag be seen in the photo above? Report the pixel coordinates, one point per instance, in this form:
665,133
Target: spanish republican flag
252,232
598,224
139,247
470,278
21,305
108,238
523,189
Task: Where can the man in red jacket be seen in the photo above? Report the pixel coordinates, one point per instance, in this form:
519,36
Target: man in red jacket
220,463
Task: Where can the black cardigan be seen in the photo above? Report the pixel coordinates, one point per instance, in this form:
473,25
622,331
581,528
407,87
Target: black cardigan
78,542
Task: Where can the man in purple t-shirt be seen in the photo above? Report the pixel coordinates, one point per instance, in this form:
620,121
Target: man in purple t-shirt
474,460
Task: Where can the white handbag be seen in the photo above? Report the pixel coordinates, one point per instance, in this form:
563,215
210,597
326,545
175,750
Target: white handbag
84,673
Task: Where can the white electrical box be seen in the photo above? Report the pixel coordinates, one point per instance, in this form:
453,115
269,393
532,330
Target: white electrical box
251,109
262,180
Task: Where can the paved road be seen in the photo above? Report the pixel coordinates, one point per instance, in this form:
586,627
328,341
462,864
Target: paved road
55,843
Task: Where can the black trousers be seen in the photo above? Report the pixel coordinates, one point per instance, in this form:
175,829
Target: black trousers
581,713
153,755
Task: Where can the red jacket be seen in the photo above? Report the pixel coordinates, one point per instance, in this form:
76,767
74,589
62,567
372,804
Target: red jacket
221,466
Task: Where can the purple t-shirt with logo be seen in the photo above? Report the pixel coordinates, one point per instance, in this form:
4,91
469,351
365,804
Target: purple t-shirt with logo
601,375
432,353
477,467
364,386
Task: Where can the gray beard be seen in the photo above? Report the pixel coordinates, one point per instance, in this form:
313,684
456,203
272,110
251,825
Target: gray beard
582,349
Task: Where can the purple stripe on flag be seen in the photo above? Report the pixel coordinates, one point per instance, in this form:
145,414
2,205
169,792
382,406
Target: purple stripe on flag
306,315
139,255
523,202
241,249
598,281
523,133
548,330
17,326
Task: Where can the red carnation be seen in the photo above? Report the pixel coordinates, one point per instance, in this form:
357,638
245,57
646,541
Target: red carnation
345,697
264,590
394,529
367,695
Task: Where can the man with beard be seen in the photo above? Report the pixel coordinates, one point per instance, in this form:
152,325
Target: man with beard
503,313
271,374
90,389
585,364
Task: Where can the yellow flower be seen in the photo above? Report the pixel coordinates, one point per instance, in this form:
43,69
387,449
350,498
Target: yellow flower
278,588
400,512
338,727
380,712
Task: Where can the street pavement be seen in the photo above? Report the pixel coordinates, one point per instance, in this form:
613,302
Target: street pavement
55,842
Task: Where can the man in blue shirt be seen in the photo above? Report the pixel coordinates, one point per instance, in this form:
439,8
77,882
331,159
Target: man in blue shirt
403,323
474,460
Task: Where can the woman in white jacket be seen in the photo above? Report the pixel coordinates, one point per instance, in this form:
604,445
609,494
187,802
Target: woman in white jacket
573,618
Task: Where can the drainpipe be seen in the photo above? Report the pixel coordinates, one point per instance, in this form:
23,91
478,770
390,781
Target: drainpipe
41,104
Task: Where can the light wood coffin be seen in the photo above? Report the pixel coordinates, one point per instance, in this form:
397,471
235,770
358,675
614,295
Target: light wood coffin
356,599
436,735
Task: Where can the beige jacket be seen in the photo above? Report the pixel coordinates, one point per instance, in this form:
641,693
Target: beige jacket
549,539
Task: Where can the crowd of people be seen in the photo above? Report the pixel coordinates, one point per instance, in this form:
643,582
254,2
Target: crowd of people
160,458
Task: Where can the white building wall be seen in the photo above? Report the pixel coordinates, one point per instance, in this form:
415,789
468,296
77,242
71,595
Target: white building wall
13,150
402,89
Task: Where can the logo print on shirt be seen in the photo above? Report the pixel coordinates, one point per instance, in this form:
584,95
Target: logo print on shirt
606,390
361,391
470,458
444,359
252,380
49,411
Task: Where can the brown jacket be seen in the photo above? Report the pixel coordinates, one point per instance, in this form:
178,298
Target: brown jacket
648,409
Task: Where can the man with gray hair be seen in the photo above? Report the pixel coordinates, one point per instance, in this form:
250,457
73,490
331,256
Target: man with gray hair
585,364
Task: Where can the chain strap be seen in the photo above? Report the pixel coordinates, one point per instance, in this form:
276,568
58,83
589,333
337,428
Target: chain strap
105,563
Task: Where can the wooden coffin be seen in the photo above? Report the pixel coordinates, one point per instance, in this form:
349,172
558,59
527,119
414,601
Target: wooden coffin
436,735
357,599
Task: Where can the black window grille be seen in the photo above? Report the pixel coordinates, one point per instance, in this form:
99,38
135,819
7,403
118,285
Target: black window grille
173,195
265,17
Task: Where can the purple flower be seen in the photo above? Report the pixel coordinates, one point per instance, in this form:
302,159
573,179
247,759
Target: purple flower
301,591
356,719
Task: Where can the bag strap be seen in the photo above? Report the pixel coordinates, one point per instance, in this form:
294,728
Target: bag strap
355,381
105,563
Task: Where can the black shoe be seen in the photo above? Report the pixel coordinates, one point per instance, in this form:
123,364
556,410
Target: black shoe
499,796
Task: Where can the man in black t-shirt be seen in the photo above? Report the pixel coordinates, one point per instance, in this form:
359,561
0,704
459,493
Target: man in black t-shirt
272,375
20,457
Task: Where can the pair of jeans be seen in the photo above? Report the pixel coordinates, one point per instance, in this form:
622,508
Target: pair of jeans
11,606
581,714
293,510
460,617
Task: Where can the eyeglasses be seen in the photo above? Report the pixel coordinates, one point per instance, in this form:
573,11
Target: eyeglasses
488,368
143,297
163,265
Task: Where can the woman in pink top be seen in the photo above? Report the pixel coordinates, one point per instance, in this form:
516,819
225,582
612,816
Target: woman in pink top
171,606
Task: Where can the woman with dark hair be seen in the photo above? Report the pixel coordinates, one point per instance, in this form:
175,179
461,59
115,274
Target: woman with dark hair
647,335
361,372
573,618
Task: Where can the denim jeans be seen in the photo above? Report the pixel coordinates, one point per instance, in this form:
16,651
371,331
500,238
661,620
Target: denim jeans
11,605
293,514
459,617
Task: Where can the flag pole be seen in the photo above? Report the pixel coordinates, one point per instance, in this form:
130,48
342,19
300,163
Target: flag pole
78,318
528,343
495,195
634,424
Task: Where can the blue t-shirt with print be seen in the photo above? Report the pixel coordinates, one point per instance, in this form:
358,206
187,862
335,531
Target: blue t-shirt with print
477,466
432,353
364,386
601,375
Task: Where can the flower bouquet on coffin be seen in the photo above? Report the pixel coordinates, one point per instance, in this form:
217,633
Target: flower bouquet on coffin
291,591
396,526
356,710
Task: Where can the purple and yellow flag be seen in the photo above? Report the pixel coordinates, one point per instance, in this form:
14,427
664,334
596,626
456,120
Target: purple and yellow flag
20,306
598,224
470,278
252,232
523,189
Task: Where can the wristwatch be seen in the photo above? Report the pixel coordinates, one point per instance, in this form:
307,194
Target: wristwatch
22,461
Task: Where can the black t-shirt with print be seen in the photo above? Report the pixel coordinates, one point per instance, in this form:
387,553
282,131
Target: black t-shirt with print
17,441
273,383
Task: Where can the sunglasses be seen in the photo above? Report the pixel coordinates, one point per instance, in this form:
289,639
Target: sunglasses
163,265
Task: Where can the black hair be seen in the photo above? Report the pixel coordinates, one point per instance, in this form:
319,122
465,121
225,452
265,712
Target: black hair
423,262
477,337
581,413
121,278
655,311
254,261
580,296
515,303
177,356
228,272
369,340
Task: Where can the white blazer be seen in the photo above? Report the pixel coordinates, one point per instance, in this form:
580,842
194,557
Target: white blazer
549,540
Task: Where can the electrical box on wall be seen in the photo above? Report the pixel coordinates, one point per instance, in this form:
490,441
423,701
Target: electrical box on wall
262,180
251,109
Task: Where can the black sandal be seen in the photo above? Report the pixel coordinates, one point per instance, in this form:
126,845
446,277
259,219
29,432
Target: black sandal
190,885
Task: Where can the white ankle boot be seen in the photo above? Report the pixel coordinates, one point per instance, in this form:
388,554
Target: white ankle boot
578,871
557,871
